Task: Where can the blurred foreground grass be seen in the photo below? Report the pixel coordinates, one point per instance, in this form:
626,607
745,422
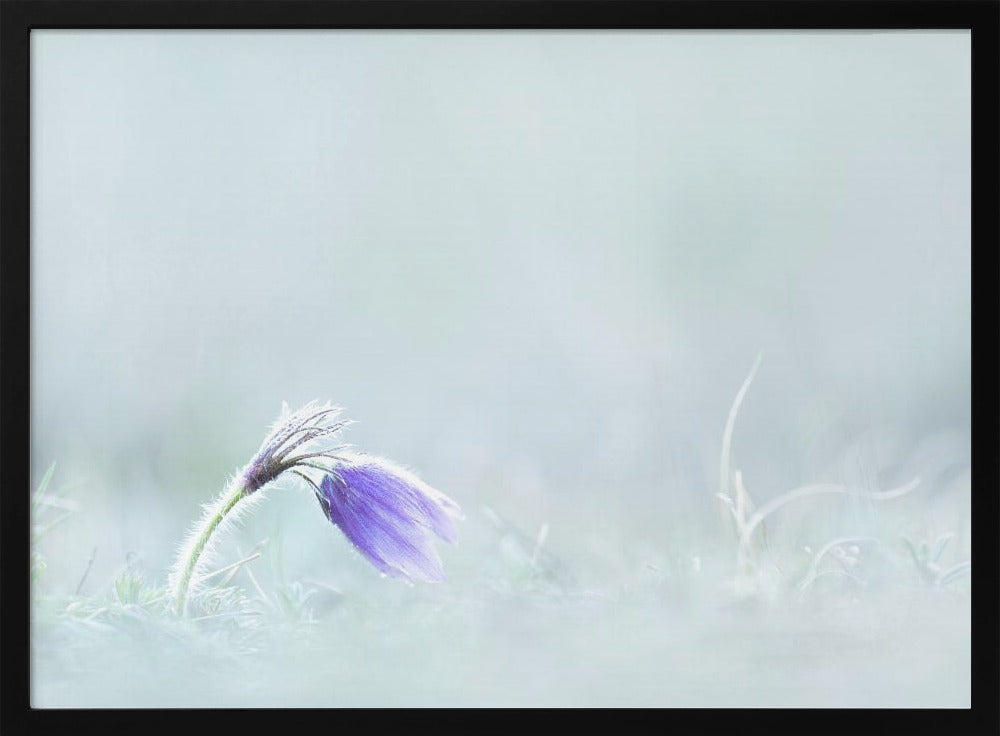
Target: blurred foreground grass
865,623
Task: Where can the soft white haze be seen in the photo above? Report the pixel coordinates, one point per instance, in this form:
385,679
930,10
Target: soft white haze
536,268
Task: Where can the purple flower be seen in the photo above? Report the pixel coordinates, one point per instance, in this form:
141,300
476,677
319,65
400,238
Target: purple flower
390,515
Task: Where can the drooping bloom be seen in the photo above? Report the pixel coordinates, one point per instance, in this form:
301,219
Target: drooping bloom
390,515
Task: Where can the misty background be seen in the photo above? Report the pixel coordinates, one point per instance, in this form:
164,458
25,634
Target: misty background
533,266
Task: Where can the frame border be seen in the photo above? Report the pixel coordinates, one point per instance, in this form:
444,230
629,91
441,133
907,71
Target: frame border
19,17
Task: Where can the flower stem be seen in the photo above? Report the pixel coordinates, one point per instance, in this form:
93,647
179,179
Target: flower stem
209,523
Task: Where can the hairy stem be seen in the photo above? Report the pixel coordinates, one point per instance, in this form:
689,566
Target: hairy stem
209,523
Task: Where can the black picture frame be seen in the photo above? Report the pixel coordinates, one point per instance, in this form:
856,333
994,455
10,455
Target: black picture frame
18,18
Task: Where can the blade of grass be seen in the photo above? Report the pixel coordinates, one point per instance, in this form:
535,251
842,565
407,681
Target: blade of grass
813,572
43,484
41,531
727,435
814,490
234,567
86,572
954,573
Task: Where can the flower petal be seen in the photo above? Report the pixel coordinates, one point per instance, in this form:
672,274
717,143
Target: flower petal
401,494
392,541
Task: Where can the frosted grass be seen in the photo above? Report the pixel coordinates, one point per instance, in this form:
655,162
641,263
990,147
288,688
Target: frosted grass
736,615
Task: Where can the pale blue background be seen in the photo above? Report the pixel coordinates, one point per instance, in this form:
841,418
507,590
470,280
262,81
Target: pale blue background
535,266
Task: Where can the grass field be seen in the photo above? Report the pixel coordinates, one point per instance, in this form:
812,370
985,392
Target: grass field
827,595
